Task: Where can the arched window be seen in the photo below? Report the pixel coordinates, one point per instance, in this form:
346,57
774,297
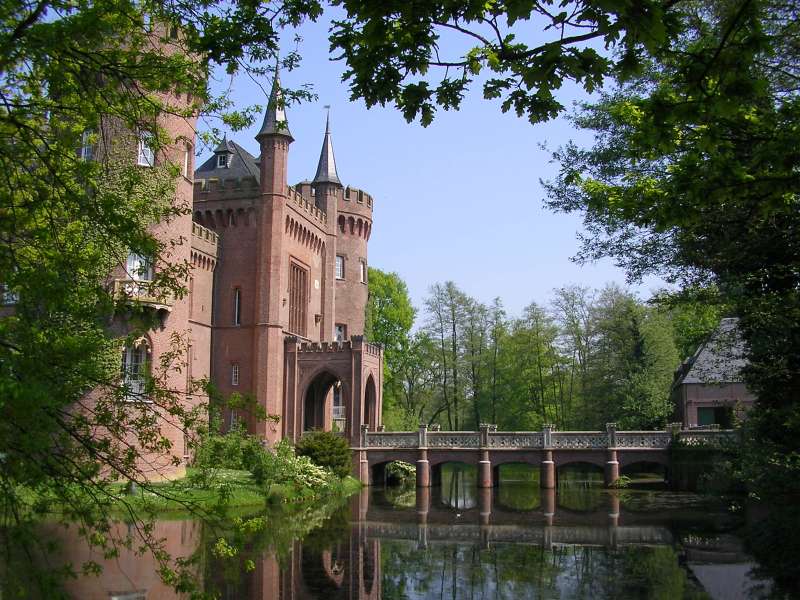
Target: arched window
135,370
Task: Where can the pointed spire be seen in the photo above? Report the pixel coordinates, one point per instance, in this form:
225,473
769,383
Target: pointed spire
275,122
224,145
326,169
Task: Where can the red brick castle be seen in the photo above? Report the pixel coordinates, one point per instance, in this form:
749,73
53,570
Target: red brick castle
289,287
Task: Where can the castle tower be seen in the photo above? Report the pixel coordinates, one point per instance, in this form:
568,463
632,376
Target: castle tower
274,139
353,225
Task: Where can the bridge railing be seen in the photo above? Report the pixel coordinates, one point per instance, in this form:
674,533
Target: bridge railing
488,437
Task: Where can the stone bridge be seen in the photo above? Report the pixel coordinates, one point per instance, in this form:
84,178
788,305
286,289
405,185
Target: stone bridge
488,449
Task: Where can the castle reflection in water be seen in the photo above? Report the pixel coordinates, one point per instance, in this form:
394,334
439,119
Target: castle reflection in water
358,558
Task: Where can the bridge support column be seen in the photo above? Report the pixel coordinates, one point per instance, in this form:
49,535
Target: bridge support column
363,468
612,467
485,470
547,476
423,469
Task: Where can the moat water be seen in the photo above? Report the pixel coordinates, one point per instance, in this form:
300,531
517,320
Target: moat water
457,541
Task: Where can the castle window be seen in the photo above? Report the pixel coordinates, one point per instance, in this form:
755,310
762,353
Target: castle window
362,271
339,266
134,370
298,299
340,332
235,374
187,161
146,157
139,268
87,147
237,306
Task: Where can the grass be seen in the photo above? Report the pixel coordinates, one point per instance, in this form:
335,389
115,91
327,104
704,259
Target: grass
218,489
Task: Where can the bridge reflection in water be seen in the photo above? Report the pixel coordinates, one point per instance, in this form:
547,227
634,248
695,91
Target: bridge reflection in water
388,534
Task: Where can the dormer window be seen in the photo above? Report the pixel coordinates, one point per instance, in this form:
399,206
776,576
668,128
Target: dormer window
222,161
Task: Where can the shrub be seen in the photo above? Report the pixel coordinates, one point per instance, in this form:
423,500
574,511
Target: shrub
282,466
328,450
233,450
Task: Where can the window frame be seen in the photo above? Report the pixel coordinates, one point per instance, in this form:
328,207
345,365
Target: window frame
336,328
362,270
86,152
237,306
339,272
235,374
145,155
134,380
223,157
143,273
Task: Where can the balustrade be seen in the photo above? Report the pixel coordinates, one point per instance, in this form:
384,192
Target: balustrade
558,440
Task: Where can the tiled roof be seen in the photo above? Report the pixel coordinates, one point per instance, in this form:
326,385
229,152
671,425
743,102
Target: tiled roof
241,164
720,359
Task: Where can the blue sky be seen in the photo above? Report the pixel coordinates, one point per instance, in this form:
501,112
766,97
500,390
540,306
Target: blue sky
459,200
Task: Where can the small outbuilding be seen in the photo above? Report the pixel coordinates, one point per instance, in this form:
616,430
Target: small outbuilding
708,387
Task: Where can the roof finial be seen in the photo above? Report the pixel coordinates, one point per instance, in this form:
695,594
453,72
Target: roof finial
326,169
275,122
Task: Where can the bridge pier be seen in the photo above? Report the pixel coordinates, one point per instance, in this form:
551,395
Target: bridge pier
485,470
423,469
547,476
612,467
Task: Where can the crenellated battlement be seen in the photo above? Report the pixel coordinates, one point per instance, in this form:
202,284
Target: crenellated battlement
357,196
214,188
307,206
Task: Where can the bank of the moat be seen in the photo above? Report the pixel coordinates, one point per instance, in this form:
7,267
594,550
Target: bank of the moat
460,541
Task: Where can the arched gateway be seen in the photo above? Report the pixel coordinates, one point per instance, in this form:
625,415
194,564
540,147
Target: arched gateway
332,386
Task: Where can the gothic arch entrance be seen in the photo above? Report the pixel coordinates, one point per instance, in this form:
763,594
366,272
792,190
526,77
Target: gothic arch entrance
332,386
323,404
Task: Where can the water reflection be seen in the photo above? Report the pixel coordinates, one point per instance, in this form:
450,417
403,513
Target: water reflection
458,541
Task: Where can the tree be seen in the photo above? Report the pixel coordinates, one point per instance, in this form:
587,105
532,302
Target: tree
394,51
632,363
390,315
694,175
78,82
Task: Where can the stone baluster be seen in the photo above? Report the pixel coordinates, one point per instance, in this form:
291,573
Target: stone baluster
423,466
612,464
484,465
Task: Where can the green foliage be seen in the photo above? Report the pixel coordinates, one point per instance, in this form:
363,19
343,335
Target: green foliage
693,176
400,472
328,450
395,54
233,450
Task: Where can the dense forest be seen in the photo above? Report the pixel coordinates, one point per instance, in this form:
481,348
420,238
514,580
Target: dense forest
587,358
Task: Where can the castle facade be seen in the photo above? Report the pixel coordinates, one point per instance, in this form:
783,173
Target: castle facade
289,288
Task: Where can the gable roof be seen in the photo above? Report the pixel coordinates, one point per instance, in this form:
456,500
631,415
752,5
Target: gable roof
720,359
241,164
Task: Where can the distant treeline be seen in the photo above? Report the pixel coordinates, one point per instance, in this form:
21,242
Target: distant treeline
587,358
